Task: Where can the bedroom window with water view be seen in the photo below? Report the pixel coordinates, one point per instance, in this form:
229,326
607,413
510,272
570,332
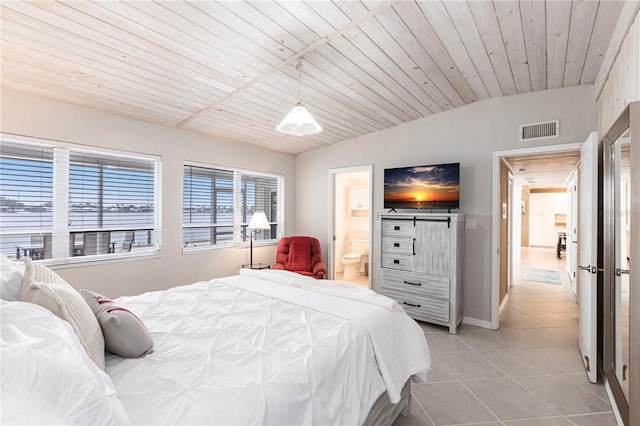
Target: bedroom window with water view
218,204
59,202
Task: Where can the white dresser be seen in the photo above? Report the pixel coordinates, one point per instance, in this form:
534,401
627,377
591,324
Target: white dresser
420,264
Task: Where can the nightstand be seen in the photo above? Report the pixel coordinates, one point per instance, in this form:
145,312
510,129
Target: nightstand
257,266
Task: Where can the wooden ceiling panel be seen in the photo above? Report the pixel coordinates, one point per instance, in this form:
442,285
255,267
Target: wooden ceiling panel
228,68
533,17
438,16
484,16
605,21
510,19
579,38
544,170
461,16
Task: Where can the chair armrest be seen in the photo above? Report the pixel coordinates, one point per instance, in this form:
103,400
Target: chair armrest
277,266
320,270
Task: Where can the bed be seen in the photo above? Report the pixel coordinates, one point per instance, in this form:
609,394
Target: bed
261,347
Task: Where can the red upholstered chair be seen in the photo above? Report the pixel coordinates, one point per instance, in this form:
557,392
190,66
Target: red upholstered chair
302,255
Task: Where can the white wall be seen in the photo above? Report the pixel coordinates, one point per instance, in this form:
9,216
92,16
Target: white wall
28,115
542,224
468,135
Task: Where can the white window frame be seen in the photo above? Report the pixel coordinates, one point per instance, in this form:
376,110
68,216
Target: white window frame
60,227
237,239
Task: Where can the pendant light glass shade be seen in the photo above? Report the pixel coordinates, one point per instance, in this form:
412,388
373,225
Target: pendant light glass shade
299,122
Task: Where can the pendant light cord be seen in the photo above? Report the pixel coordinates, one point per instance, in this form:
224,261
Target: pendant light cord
299,68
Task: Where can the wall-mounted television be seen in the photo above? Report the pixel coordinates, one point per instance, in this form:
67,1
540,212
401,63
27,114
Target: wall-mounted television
422,187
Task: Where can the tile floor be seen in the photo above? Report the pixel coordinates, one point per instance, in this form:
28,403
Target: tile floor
361,279
528,372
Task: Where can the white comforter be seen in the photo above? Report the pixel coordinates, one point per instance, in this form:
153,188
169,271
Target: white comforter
262,349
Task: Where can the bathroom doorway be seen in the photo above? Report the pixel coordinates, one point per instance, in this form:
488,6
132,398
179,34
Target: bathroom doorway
350,227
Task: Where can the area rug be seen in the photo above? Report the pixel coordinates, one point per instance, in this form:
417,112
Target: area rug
543,276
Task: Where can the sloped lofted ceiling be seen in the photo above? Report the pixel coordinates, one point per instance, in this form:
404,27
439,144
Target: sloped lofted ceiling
228,68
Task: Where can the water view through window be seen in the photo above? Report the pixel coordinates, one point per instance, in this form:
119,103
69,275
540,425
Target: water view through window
110,201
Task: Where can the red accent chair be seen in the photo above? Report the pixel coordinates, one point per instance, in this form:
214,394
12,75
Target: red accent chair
302,255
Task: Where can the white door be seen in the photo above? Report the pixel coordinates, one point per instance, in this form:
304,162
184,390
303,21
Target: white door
587,253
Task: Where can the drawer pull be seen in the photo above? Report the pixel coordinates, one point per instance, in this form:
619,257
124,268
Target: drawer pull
411,304
396,261
410,283
396,244
396,228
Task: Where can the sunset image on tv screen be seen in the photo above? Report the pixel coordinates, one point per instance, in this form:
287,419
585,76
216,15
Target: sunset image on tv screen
422,187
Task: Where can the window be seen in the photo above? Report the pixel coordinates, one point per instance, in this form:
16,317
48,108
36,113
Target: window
218,204
60,202
26,195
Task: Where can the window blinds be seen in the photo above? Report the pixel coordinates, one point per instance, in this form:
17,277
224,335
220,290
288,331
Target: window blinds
259,193
26,193
207,208
59,202
110,191
218,205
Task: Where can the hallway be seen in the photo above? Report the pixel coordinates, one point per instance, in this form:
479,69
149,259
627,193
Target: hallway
529,372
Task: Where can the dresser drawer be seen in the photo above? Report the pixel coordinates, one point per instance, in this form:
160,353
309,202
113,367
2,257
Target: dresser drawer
420,307
402,245
426,285
403,262
397,228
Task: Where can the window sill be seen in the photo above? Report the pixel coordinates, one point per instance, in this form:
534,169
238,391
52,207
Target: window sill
78,261
191,250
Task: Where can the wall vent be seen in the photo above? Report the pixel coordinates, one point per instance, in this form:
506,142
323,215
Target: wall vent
545,130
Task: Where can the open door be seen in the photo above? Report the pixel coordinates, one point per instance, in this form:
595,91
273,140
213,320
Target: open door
588,255
350,223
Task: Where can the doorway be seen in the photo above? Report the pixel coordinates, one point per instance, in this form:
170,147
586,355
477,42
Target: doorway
350,227
545,168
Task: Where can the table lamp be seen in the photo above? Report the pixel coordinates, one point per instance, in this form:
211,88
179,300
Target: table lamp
258,223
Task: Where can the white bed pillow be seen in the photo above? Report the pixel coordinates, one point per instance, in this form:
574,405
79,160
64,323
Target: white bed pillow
47,377
44,287
12,273
124,333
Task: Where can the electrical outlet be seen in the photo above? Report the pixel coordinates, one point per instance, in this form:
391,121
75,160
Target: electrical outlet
471,224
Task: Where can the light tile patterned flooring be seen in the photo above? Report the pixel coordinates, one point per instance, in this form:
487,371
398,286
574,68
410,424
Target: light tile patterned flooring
528,372
361,279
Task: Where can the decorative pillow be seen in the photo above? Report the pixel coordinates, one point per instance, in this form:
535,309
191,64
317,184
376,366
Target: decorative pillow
44,287
47,377
12,273
124,333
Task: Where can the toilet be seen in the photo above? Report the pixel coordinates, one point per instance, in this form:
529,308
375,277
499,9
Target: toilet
351,261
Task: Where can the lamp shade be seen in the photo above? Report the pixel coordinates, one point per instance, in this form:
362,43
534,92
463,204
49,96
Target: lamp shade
299,122
259,221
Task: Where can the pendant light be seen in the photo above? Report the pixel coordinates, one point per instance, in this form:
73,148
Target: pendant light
299,121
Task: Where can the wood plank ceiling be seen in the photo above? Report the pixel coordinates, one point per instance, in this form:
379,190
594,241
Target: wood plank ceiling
228,68
544,170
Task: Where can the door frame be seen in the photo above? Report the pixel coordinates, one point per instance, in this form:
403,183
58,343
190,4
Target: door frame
510,189
496,212
333,173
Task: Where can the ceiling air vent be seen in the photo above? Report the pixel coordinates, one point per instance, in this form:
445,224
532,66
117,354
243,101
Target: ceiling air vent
545,130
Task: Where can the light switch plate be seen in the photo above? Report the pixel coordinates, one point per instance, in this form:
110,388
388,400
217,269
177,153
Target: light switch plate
471,224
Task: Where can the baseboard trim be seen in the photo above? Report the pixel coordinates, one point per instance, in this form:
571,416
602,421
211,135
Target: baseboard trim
503,305
476,322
